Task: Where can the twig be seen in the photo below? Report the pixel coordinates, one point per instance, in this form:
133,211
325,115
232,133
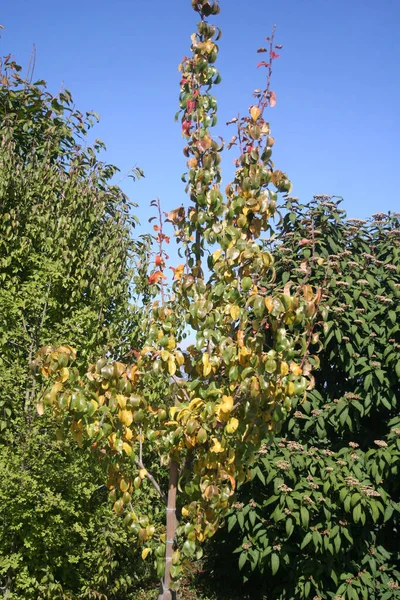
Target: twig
153,481
182,388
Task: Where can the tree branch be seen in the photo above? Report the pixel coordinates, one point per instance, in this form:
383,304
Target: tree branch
153,481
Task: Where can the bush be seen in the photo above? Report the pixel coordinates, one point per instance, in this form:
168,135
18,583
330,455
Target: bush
67,260
320,516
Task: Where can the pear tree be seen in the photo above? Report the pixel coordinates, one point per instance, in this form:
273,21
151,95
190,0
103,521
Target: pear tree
200,411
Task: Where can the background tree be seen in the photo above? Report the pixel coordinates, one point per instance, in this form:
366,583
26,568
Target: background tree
68,264
320,517
224,394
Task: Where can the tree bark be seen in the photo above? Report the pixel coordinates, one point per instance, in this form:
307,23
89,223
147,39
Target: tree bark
166,593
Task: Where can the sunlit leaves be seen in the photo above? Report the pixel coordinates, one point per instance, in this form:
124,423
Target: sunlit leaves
327,490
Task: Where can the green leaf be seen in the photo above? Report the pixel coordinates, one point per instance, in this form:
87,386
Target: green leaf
232,522
305,516
274,563
367,382
242,560
306,540
357,510
397,369
289,527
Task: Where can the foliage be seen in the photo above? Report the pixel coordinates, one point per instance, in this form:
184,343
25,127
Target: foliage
233,386
65,244
320,516
59,537
67,263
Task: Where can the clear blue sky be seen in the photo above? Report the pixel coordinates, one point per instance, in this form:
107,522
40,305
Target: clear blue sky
336,123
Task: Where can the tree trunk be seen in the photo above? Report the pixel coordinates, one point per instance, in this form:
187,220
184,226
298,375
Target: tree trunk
166,593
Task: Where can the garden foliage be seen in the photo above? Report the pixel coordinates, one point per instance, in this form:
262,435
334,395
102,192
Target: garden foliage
321,515
67,262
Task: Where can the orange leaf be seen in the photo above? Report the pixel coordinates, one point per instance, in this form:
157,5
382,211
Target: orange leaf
272,99
155,277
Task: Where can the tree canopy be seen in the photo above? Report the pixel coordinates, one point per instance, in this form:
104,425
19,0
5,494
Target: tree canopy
68,267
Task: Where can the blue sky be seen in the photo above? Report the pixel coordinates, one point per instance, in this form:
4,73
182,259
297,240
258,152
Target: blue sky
337,82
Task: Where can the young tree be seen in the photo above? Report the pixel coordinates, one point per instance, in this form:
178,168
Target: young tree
67,261
233,387
320,515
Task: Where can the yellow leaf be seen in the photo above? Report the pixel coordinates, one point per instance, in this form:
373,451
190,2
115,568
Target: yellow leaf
255,112
232,425
124,485
126,417
180,359
173,410
128,434
195,403
171,343
206,370
244,353
64,374
121,400
142,473
227,403
217,447
290,388
284,368
269,303
206,364
308,292
171,367
221,414
178,272
40,408
184,512
234,312
145,553
164,355
127,448
94,404
296,369
217,254
146,350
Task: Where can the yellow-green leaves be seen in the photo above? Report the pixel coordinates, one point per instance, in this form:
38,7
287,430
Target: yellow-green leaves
255,112
206,364
234,312
146,552
232,425
203,406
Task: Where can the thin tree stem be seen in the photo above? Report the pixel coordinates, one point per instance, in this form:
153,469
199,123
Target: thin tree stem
171,531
